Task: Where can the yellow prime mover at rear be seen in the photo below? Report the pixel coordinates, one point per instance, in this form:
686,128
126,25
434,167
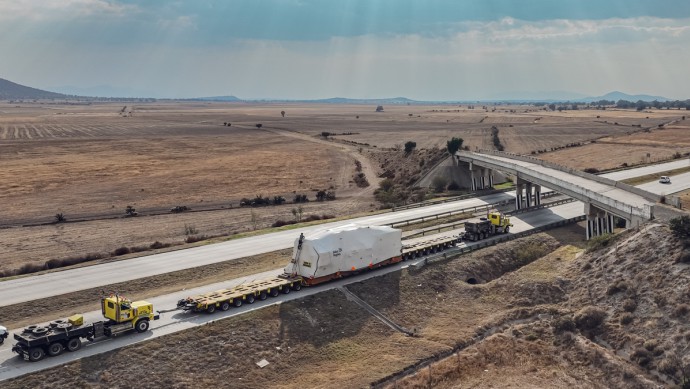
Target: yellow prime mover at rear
122,316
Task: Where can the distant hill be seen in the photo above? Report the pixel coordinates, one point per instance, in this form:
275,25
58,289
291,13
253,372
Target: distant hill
615,96
12,91
219,98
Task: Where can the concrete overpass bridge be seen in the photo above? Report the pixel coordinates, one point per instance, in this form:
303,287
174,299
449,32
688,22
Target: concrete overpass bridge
603,198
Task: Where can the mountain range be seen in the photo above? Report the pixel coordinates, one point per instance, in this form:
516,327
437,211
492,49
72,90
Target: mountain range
13,91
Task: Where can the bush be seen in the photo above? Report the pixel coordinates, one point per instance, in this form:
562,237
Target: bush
563,324
439,183
453,186
386,184
300,198
626,318
158,245
361,180
629,305
680,226
280,223
591,170
122,251
589,318
409,146
641,356
195,238
599,242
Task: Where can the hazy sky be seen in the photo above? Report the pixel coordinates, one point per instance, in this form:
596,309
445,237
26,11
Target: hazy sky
425,49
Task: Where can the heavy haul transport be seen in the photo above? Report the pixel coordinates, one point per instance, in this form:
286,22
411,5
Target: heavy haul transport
3,334
123,315
320,257
494,223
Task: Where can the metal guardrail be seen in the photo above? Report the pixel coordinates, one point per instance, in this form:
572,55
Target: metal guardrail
424,231
449,199
464,210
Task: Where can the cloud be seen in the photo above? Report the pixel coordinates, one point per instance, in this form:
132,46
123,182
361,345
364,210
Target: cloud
40,10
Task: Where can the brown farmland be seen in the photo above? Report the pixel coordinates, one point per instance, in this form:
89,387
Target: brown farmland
89,161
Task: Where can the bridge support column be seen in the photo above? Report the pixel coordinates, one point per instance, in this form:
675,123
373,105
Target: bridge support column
482,179
529,194
474,179
491,178
537,194
590,233
519,188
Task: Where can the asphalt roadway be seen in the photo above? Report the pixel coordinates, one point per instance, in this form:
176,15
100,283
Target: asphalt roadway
12,366
42,286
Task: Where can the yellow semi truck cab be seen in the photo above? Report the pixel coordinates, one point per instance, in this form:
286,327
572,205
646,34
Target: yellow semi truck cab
121,310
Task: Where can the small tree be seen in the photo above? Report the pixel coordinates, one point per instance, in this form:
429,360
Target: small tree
439,183
297,213
454,145
379,108
409,146
680,226
282,113
60,218
259,125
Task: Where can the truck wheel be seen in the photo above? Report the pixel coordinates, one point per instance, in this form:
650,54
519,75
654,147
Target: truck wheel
274,292
142,325
36,354
506,229
2,339
297,286
225,306
237,302
211,308
286,289
250,299
55,349
263,296
73,344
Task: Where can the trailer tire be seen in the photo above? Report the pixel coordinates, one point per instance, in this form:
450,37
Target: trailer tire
297,286
211,308
142,325
274,292
286,289
55,349
237,302
506,230
73,344
40,330
263,296
250,299
36,354
225,305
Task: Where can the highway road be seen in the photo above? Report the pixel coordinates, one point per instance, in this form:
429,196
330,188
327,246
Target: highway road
170,322
50,284
651,169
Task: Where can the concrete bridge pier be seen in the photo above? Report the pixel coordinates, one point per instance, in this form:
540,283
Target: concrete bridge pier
529,196
599,222
537,195
491,178
482,179
519,193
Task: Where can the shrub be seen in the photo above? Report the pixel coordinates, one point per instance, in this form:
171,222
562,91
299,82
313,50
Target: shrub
361,180
29,268
616,287
386,184
325,134
563,324
300,198
599,242
138,249
641,356
122,251
280,223
195,238
591,170
409,146
453,186
626,318
629,305
158,245
439,183
589,318
60,218
680,226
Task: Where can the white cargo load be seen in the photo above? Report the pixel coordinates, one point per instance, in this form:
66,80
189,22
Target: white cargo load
347,248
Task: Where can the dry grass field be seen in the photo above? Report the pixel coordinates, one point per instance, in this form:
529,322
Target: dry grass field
89,161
